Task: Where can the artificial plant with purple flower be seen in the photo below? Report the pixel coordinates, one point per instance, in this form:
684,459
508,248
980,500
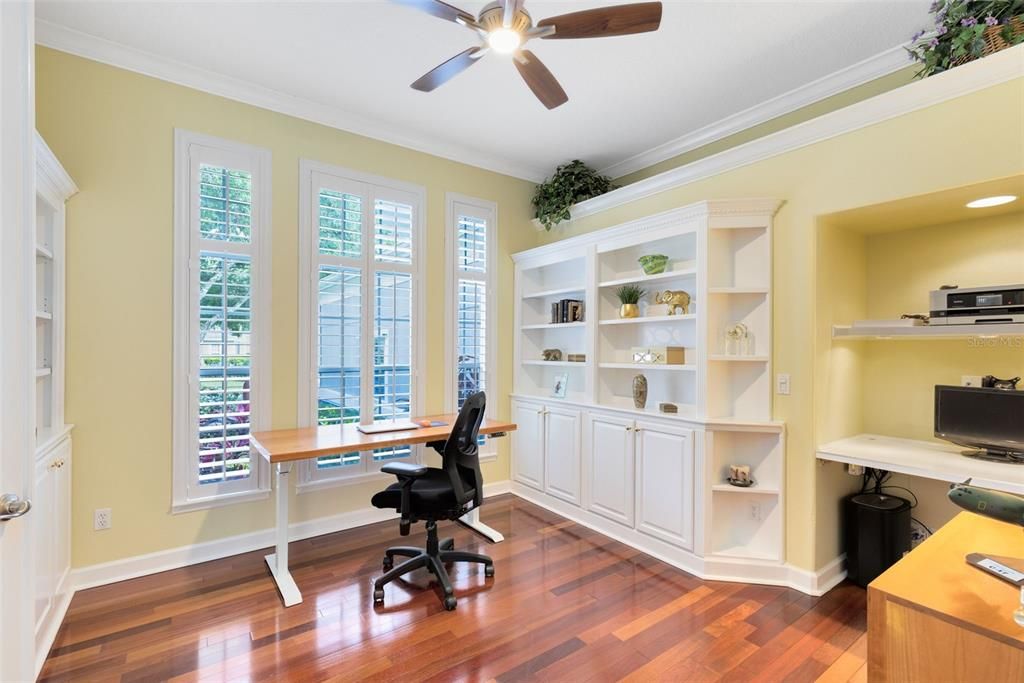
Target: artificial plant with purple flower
959,33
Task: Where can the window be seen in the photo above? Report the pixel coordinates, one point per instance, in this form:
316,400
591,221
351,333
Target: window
470,244
359,310
221,320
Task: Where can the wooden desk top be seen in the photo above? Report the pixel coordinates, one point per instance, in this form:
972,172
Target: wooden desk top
286,445
935,577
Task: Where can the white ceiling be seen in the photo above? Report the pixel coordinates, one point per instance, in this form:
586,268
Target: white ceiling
627,95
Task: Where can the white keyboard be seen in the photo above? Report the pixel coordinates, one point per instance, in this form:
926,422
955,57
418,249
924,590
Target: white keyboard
396,426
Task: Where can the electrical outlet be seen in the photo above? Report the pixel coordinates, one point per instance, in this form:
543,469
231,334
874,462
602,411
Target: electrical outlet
782,384
101,519
855,470
755,512
970,380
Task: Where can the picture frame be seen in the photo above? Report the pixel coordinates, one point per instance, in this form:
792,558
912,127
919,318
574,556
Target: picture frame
559,388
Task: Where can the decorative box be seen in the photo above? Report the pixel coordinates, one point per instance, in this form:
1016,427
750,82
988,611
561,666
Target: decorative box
659,355
577,358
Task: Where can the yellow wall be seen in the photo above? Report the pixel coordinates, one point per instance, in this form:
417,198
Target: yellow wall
920,152
113,131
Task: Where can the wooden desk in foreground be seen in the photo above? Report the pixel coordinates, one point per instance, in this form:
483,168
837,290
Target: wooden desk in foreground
284,447
932,617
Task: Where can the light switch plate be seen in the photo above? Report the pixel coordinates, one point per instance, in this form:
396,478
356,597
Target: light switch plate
782,384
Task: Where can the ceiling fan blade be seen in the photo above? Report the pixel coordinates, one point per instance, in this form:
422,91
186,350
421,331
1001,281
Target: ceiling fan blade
509,11
620,20
441,10
443,73
541,82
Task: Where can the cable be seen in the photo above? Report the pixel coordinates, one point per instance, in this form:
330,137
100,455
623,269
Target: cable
915,519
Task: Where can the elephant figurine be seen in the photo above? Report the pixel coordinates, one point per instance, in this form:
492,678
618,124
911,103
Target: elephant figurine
674,299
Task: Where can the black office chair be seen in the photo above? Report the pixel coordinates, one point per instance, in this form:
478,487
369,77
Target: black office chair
431,494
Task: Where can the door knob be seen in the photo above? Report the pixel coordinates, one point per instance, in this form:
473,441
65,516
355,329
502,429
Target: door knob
12,506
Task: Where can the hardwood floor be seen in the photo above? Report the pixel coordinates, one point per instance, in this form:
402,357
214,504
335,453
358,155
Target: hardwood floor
566,603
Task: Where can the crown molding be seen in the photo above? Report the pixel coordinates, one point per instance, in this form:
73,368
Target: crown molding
862,72
52,181
114,54
1000,67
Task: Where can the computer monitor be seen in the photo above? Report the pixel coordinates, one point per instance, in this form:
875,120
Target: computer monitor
988,421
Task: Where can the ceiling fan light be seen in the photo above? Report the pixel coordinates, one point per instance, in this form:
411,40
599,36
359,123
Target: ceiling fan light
504,40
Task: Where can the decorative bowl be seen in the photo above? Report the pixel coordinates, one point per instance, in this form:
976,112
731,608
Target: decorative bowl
653,263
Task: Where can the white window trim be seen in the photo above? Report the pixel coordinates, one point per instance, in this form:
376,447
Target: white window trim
183,498
309,231
488,210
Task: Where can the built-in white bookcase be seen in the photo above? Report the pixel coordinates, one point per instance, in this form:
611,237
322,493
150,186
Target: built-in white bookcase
720,254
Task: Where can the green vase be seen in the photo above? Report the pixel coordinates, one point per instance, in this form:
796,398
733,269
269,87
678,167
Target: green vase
653,263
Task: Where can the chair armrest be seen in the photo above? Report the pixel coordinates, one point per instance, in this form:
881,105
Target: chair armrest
404,469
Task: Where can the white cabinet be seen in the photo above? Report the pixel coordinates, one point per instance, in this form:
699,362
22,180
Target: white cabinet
664,483
528,444
562,453
51,527
610,466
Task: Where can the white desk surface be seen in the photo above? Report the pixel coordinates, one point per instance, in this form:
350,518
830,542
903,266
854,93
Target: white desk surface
928,459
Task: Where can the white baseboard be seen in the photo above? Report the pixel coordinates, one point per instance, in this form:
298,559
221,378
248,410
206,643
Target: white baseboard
175,558
708,568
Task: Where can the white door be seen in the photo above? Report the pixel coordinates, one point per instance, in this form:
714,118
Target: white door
17,350
610,467
664,483
528,444
562,453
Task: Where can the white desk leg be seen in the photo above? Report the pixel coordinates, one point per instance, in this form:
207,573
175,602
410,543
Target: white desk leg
472,521
278,561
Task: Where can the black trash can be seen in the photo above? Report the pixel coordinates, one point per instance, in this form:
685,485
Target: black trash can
876,534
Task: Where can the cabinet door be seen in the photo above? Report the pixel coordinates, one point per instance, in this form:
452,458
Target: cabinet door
42,531
562,453
528,444
62,513
664,483
610,467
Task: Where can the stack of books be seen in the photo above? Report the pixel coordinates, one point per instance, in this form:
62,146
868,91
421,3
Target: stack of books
567,311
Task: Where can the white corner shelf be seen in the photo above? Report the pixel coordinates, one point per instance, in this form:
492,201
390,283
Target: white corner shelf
554,326
928,459
756,488
556,363
737,290
642,279
561,291
43,315
44,252
648,319
677,367
928,331
43,372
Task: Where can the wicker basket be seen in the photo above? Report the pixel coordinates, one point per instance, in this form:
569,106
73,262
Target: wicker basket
993,41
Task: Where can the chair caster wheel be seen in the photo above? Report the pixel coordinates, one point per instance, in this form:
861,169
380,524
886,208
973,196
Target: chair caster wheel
378,596
388,563
489,570
449,603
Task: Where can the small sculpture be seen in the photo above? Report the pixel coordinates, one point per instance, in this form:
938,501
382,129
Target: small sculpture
551,354
674,299
640,392
653,264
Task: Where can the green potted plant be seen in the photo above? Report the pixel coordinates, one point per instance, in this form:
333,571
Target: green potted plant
966,30
571,183
629,298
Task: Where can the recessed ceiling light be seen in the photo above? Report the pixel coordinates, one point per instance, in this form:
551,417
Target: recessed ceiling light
986,202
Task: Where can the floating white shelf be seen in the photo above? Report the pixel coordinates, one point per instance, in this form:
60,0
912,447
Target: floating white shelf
561,291
44,252
929,459
640,279
43,315
649,366
738,359
649,319
556,363
928,331
737,290
552,326
756,488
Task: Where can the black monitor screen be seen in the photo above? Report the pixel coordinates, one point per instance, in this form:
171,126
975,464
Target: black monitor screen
979,417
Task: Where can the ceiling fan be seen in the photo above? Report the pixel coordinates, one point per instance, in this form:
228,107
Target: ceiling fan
504,27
